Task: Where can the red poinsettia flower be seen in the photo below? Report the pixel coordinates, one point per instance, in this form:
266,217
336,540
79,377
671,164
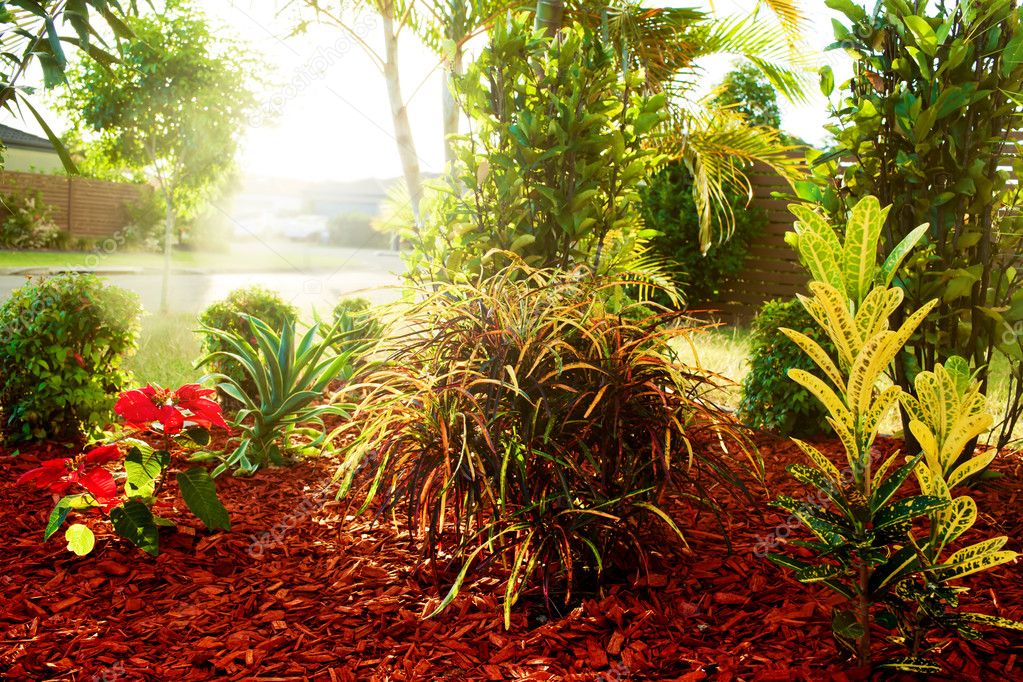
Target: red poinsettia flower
144,407
61,475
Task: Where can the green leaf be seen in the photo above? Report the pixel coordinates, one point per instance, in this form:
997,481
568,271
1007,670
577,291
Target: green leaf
80,539
200,494
908,509
134,521
894,261
827,80
923,34
57,516
198,435
142,470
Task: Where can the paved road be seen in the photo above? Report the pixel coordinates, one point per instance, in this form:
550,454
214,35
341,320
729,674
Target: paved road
372,276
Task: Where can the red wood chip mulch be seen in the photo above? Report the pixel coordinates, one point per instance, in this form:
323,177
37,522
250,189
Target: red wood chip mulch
294,593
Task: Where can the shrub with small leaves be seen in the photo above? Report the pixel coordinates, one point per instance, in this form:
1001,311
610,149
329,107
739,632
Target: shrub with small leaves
230,316
63,341
769,400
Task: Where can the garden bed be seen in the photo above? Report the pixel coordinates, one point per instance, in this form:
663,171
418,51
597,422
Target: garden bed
294,593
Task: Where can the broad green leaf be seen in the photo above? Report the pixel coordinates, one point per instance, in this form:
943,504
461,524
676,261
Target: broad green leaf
923,34
134,521
894,261
57,516
200,494
908,509
80,539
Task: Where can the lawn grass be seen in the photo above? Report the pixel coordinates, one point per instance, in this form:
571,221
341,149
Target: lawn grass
724,351
168,347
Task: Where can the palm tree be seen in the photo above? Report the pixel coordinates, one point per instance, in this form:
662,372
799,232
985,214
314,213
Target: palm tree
667,43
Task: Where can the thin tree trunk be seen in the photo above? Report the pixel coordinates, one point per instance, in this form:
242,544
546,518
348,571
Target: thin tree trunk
168,236
450,106
399,115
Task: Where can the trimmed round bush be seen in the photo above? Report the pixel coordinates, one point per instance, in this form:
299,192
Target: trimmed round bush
63,342
770,399
226,315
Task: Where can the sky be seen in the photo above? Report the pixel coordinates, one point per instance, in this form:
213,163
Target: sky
324,114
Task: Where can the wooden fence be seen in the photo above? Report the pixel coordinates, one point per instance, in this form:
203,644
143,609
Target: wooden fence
81,207
772,268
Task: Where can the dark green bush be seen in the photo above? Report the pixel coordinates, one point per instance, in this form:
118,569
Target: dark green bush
769,398
62,344
668,207
228,316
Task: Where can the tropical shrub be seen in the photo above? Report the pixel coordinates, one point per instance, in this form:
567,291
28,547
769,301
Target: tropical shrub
28,223
63,341
551,170
229,316
868,546
928,124
88,487
357,325
523,419
669,209
769,401
288,374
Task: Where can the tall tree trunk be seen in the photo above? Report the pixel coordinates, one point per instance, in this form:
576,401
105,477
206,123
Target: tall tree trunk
399,115
168,236
549,14
450,106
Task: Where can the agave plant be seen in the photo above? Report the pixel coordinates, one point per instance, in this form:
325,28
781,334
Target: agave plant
867,545
524,419
289,374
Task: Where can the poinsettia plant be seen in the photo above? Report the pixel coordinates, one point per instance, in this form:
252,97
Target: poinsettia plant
87,485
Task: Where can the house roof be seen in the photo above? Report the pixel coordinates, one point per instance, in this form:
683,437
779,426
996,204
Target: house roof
12,137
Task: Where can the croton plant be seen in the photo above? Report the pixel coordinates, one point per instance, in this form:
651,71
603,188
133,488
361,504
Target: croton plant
89,485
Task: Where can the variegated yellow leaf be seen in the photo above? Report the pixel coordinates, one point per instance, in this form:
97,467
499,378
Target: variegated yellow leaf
955,520
845,434
961,434
972,466
840,327
912,322
961,569
977,549
927,480
820,461
912,407
859,254
929,446
872,315
827,397
819,259
870,364
815,353
879,408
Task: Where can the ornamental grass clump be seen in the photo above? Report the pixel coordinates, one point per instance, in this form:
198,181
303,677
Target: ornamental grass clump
893,554
522,420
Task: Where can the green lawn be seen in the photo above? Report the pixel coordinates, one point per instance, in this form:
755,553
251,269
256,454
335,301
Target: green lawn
167,348
724,351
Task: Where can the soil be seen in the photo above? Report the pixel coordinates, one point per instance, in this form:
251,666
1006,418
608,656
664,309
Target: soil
301,590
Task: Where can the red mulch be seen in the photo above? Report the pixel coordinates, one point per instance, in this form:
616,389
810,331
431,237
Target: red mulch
323,600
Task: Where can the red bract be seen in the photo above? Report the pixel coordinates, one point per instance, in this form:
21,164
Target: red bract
60,475
144,407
